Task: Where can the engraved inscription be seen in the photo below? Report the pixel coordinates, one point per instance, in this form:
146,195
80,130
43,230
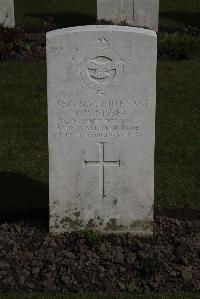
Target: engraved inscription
101,164
103,68
101,119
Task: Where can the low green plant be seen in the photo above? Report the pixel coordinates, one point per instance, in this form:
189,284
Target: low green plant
28,46
10,41
14,41
92,238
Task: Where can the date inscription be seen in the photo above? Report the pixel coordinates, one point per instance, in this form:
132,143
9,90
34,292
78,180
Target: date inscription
102,119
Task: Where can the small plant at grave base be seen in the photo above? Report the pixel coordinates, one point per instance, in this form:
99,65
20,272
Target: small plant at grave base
104,22
124,23
10,41
92,238
28,46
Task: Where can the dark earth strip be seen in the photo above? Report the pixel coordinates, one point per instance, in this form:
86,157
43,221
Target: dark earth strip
31,259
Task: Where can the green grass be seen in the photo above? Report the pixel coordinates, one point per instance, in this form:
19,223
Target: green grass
23,139
180,5
127,296
178,135
51,14
179,13
24,118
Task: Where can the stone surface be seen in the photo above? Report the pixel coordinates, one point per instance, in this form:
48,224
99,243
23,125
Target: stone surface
101,111
142,13
7,13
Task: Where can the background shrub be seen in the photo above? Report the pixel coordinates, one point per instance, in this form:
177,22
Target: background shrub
178,46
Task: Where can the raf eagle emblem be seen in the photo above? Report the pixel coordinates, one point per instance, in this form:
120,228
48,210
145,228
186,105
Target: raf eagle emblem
102,69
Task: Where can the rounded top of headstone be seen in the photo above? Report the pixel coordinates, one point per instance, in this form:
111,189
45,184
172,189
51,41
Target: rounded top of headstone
101,28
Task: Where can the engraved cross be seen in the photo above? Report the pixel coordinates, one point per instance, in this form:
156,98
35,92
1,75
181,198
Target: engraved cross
101,164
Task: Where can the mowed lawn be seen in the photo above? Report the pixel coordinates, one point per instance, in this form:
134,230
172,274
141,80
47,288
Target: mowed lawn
180,12
50,14
24,149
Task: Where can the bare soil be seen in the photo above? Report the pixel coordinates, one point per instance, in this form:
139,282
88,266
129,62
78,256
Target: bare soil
31,259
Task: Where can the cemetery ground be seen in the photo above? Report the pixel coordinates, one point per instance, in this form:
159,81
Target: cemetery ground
170,261
121,296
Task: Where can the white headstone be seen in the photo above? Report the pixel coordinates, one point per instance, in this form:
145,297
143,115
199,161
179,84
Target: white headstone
101,111
142,13
7,13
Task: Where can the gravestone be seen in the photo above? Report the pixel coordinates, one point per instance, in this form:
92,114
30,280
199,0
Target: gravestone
101,111
7,13
142,13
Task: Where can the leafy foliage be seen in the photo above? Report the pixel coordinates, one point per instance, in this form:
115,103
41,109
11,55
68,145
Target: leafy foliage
16,43
92,238
11,40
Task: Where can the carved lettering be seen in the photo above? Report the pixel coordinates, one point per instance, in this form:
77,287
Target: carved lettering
101,119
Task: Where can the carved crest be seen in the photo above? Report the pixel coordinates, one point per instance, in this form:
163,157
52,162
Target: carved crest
102,69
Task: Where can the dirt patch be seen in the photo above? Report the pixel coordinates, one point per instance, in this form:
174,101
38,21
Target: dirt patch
31,259
18,45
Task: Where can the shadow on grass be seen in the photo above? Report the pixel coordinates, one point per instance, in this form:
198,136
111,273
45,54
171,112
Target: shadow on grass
23,199
184,18
182,214
62,20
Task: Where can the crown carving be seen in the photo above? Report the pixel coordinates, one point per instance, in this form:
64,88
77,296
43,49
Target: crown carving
102,43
